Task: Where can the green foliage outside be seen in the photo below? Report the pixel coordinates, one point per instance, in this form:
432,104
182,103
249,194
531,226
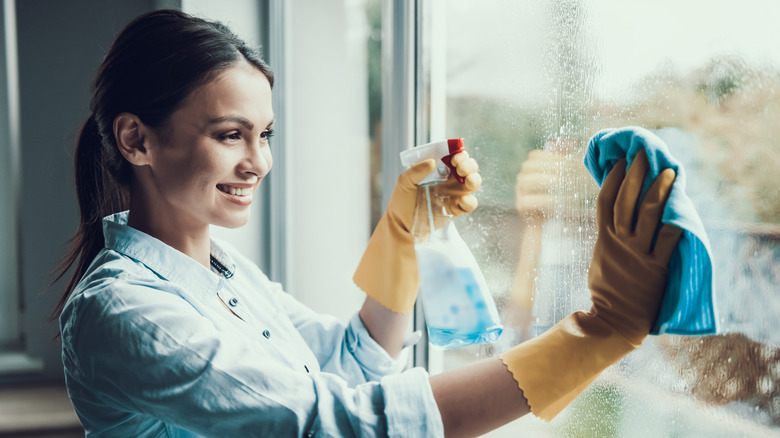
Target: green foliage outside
596,413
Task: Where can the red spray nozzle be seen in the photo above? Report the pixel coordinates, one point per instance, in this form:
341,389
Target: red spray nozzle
456,146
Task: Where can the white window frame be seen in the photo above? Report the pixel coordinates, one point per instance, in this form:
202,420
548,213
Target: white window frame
413,100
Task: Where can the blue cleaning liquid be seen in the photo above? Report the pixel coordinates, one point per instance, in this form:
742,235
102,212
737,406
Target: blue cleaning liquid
454,338
455,309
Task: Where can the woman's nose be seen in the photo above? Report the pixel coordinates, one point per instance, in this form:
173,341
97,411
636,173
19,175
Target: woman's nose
258,158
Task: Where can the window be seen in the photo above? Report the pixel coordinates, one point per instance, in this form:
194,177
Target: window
511,77
13,357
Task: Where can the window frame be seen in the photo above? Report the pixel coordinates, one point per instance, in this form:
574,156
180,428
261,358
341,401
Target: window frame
402,125
274,38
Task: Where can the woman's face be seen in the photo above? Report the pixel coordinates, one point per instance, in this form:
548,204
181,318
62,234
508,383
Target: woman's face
213,152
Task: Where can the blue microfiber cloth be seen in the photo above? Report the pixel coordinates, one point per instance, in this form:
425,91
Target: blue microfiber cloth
688,307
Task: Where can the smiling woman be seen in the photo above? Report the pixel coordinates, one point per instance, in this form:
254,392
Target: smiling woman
167,331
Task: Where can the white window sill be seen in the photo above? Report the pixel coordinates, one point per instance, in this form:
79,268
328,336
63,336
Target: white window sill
17,363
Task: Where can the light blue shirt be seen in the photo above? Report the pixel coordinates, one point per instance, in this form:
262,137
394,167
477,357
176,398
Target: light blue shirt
149,351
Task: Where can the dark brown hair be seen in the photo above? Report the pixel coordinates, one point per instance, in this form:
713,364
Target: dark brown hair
154,63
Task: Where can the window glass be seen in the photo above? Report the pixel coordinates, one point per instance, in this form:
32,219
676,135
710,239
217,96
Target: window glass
705,76
373,9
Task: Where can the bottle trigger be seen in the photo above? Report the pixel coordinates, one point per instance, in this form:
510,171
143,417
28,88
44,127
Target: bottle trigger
455,146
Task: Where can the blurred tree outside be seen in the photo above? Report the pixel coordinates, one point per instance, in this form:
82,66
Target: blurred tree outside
733,110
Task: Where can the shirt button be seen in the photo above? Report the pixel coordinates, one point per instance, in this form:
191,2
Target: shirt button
267,334
310,435
233,302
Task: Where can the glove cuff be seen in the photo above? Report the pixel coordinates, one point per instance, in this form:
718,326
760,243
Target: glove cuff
556,366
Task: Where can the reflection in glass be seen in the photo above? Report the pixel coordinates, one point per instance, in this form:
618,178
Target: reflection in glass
544,76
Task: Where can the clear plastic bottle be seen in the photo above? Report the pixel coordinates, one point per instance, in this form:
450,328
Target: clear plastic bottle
458,307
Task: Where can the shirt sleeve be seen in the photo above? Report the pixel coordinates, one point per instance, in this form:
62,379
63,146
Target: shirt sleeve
142,350
347,350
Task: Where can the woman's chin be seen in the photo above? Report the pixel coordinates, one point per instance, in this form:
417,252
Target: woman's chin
236,221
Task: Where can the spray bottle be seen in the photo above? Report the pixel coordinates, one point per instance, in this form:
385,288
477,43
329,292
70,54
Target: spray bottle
458,307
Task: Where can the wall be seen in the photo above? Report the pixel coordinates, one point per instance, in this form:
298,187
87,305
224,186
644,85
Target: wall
328,152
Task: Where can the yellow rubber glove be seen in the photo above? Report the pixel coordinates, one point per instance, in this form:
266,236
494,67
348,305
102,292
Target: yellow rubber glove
388,270
627,279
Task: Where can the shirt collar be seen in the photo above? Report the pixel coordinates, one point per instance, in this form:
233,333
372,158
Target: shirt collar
166,261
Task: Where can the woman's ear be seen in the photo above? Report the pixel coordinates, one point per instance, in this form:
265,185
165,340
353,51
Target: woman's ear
131,138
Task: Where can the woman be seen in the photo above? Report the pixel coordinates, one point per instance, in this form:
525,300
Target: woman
168,333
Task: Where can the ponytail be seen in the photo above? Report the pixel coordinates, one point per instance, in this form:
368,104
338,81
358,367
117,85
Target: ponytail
101,186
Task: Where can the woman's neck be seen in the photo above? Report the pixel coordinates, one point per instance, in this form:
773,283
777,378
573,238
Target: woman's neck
192,240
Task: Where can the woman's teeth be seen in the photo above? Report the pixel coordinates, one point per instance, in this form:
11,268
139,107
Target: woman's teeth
234,190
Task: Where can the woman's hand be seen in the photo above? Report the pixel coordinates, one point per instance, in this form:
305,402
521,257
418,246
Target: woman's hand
388,270
459,196
627,277
387,273
451,198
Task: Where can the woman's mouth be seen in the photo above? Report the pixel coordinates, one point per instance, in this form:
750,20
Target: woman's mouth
237,191
237,195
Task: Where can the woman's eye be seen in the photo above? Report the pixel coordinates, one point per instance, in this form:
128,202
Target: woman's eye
268,133
233,136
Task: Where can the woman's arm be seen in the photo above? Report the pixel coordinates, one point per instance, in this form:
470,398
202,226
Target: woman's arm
386,327
477,398
627,279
